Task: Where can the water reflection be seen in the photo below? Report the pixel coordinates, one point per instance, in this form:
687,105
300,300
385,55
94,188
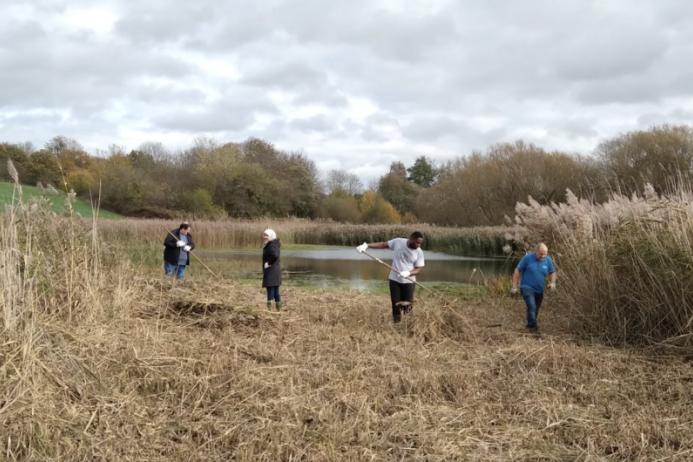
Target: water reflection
326,267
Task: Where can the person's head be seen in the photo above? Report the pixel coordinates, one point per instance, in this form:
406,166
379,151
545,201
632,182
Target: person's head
184,228
415,240
541,251
268,235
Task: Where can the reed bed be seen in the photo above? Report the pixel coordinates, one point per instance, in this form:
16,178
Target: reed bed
103,361
201,371
482,241
625,266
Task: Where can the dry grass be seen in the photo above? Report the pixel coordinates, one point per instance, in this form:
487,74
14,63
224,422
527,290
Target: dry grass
202,371
482,241
100,362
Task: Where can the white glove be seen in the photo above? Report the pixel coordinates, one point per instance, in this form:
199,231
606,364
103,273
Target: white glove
405,274
552,285
362,248
513,290
266,265
187,248
180,244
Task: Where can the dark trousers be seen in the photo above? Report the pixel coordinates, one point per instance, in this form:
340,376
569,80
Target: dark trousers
533,301
400,293
273,294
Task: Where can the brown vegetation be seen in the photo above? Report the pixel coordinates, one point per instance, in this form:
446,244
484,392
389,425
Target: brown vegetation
626,265
482,241
101,362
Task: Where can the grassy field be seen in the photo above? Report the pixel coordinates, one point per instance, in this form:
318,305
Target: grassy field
56,199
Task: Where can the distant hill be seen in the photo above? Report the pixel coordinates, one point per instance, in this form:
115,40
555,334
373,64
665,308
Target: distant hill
82,207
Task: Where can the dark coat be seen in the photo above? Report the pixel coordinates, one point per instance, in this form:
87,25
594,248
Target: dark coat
171,252
272,276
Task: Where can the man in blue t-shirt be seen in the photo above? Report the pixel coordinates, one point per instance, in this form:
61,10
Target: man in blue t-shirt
531,274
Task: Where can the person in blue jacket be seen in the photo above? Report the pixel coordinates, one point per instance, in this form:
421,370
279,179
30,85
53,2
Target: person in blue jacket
531,274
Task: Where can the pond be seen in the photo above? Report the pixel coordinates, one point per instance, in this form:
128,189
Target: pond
344,266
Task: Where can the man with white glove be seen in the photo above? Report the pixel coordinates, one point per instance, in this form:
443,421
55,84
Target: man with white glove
531,274
177,247
407,262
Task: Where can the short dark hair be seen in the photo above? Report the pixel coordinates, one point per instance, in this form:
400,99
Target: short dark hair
184,225
416,235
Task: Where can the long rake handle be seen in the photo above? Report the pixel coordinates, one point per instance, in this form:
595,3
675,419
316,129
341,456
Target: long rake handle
198,258
392,269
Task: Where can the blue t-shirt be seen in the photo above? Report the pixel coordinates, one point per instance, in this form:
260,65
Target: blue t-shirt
534,271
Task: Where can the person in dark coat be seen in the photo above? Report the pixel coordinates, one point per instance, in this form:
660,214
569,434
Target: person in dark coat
177,247
271,269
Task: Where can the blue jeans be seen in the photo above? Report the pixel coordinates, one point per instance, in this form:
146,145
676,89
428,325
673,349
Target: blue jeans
273,294
533,301
178,270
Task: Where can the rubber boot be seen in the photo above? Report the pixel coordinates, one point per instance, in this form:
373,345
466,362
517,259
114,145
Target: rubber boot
269,305
279,306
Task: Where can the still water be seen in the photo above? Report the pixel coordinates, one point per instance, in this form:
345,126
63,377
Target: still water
344,266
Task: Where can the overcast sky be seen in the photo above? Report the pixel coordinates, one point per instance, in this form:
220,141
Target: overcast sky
352,84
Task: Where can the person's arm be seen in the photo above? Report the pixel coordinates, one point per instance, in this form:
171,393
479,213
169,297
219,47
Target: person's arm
378,245
170,240
416,270
272,255
552,275
191,243
516,278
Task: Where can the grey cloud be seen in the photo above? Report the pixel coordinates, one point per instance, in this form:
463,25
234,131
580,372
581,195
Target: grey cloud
426,69
234,113
318,123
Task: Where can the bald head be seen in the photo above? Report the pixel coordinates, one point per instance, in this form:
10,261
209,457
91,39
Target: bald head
541,251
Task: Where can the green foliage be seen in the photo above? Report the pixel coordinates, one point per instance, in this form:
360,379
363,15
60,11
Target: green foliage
423,173
43,168
255,179
397,189
17,155
81,181
344,209
199,204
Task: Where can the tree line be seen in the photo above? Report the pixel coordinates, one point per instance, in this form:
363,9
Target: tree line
255,179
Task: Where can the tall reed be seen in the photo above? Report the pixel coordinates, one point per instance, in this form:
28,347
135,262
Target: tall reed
625,266
482,241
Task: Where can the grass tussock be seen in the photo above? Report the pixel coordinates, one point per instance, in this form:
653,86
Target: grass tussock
481,241
626,266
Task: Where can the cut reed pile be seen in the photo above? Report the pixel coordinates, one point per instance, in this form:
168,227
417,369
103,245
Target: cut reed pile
481,241
626,266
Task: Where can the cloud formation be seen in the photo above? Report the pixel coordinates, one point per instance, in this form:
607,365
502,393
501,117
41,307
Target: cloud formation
352,84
